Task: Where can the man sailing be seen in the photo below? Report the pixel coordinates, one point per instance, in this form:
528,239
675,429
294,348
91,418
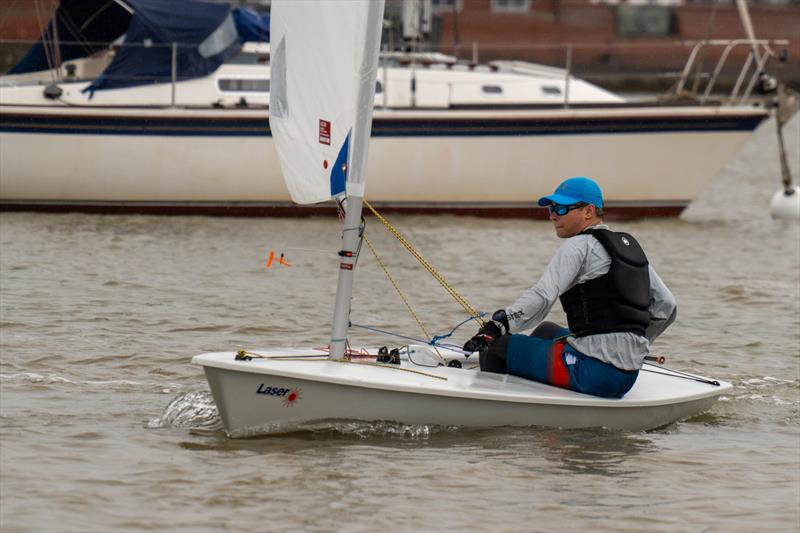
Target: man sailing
616,305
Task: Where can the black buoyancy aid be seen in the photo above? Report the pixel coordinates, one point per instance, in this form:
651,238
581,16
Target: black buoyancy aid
616,301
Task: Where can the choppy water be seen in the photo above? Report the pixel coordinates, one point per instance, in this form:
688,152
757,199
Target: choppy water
106,426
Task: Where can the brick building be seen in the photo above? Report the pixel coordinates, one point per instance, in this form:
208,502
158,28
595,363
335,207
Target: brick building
613,43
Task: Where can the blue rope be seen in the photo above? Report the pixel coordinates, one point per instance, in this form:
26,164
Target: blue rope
433,342
437,338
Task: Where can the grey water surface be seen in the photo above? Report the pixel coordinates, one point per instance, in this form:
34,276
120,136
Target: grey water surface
106,426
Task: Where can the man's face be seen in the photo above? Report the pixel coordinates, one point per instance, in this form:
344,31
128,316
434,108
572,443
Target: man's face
573,222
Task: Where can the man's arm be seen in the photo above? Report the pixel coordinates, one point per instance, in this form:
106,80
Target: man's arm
559,276
663,307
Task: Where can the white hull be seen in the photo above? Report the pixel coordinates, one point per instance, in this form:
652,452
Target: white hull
180,157
327,390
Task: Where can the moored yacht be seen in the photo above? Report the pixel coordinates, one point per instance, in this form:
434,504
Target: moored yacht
144,123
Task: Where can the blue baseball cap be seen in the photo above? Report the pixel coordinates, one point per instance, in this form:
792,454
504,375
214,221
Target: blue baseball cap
575,190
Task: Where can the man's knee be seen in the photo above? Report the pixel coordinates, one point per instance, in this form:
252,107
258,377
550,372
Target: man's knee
493,358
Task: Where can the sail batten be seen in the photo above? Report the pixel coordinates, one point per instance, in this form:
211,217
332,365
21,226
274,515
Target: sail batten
321,101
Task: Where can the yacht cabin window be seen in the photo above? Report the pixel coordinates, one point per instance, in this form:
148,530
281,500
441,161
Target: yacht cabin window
243,85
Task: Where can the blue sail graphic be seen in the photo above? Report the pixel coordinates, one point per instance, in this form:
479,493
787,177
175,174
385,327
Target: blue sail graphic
339,170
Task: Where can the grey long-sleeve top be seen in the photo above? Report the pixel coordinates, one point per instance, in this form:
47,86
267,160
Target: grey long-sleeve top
580,259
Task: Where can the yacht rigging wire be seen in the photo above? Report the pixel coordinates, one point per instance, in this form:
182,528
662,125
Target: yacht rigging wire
47,41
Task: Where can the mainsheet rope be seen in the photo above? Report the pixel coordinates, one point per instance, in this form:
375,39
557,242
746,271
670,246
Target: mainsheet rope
400,292
473,313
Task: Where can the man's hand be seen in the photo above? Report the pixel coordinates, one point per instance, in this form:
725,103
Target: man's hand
490,332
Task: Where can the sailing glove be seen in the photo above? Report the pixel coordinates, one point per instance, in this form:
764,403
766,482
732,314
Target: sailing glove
490,332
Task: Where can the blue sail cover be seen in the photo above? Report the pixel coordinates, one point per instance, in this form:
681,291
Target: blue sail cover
205,33
81,28
251,25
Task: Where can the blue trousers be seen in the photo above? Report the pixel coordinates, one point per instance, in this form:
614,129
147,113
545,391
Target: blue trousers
557,363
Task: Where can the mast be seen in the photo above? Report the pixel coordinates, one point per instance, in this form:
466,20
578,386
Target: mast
355,175
351,234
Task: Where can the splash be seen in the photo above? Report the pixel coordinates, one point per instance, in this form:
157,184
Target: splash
347,428
195,410
776,391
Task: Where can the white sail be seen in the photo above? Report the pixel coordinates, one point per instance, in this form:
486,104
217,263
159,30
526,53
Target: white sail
324,61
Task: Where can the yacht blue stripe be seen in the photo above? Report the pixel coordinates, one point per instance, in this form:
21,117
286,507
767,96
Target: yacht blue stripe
223,127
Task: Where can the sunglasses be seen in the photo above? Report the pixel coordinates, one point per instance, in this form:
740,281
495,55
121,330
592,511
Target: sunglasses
562,210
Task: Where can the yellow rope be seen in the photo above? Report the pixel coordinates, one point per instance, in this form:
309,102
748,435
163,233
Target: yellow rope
402,296
438,277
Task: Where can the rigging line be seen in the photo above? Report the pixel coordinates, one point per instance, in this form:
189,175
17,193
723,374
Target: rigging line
384,332
679,374
316,359
77,32
96,14
414,252
57,45
46,36
450,333
254,355
315,250
438,277
433,343
341,210
399,292
124,6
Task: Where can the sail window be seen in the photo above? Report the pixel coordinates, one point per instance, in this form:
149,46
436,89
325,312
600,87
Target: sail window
243,85
550,89
378,87
278,102
492,89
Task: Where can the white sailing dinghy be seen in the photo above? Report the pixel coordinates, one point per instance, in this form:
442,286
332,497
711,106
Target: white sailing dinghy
324,67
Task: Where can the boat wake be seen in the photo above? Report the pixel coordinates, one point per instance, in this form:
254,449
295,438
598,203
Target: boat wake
774,391
194,410
125,385
198,412
348,428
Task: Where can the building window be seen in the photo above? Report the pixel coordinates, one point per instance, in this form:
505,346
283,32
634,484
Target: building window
243,85
645,21
511,6
378,87
446,6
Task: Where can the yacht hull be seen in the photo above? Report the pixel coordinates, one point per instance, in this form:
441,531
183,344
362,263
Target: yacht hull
651,160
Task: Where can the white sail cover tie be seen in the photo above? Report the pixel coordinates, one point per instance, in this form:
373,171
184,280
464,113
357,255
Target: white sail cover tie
323,68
